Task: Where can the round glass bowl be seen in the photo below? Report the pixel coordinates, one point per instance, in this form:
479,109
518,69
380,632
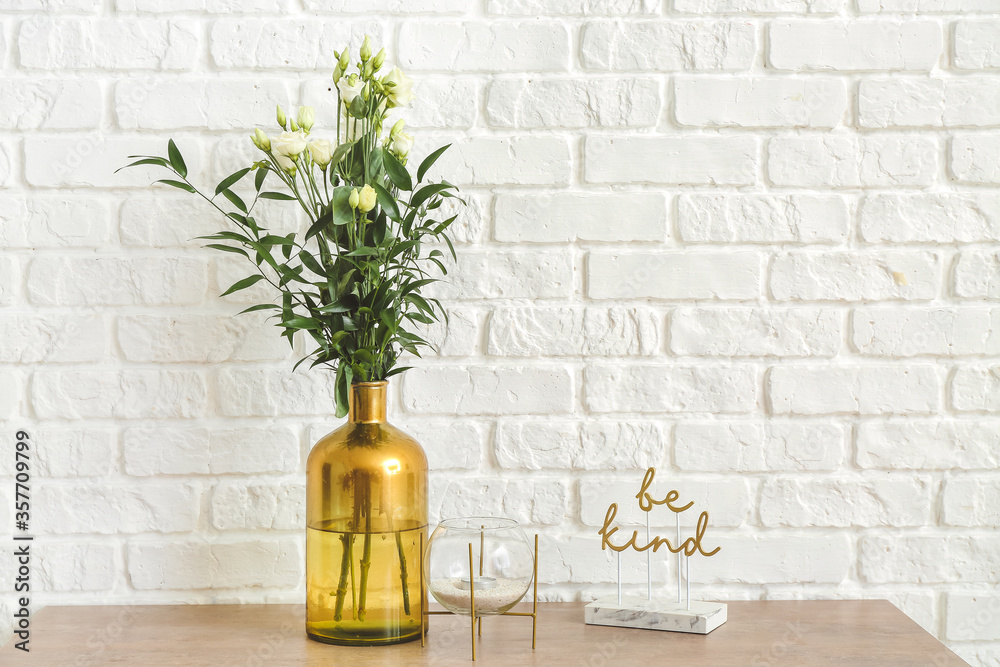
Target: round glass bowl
502,564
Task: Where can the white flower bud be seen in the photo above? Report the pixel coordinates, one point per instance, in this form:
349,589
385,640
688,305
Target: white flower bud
281,117
307,118
354,199
366,199
349,87
366,49
260,140
379,59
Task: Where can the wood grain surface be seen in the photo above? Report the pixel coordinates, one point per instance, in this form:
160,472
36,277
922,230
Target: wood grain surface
801,633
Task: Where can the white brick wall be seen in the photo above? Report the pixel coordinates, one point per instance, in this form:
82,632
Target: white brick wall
755,243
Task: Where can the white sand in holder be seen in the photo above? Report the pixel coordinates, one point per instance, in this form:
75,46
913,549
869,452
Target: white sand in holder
503,595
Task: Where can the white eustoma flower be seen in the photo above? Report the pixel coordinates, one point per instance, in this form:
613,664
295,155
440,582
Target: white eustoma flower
348,90
321,152
366,199
401,93
401,144
289,143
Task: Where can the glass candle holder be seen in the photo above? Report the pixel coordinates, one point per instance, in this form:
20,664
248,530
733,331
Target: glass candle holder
502,564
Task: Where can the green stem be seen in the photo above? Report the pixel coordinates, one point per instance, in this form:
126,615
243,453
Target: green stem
366,555
345,563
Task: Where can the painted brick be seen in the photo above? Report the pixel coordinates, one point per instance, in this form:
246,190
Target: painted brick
50,104
535,46
758,446
259,506
540,501
971,501
977,275
287,44
123,43
572,103
854,45
759,102
974,159
847,161
561,218
930,218
755,332
126,394
223,104
928,559
762,218
40,222
927,6
771,558
663,389
569,445
522,160
522,274
87,281
202,451
975,41
484,390
110,509
671,160
70,452
91,161
585,7
533,332
842,503
975,389
666,275
758,6
853,276
864,390
248,392
896,332
200,338
668,45
906,102
928,444
53,338
973,616
269,562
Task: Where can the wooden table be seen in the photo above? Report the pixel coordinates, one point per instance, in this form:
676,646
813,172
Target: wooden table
801,633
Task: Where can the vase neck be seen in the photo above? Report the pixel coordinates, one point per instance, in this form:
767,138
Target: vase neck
367,402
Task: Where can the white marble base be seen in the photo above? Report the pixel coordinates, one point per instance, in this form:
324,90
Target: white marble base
636,612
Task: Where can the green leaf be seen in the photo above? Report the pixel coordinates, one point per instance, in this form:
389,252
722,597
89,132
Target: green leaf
363,251
387,203
320,224
178,184
157,161
231,180
263,306
235,200
429,162
258,180
397,370
426,192
341,153
176,160
243,284
396,171
302,323
280,196
340,204
225,248
333,308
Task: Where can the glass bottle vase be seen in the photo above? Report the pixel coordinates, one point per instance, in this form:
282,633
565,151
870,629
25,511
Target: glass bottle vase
366,511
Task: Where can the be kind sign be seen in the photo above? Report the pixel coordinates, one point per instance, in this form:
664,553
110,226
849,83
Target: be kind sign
649,613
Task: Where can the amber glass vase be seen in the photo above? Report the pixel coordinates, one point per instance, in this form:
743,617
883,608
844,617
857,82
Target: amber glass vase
366,512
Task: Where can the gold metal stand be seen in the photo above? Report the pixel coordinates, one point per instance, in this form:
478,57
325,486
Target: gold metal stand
478,619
